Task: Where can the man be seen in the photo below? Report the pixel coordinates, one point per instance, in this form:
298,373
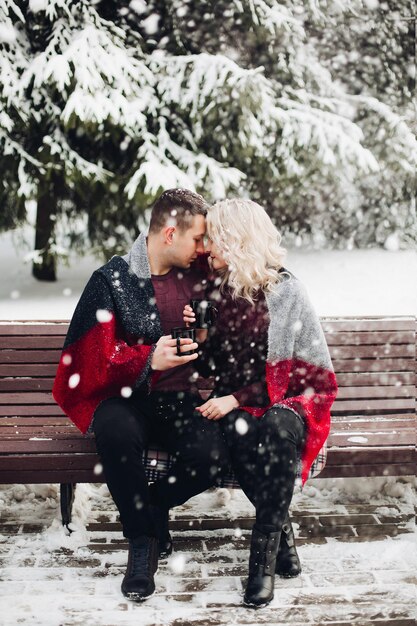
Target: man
120,376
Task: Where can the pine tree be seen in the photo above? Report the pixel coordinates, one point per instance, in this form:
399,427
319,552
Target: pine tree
373,53
105,103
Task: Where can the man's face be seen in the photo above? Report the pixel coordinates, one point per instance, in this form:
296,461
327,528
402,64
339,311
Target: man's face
187,244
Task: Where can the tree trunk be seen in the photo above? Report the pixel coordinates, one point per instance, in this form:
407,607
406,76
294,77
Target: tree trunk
46,270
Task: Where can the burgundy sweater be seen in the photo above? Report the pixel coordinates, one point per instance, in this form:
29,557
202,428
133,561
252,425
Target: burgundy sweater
172,292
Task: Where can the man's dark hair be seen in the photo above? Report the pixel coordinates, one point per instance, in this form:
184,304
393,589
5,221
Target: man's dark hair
179,204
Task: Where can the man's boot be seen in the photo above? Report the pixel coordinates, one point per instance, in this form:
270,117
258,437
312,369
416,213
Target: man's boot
288,563
262,562
138,583
160,519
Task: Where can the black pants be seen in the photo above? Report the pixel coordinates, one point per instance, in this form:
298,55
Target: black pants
264,453
124,428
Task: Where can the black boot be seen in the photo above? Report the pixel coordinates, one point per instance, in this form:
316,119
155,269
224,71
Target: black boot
263,553
160,519
138,583
288,563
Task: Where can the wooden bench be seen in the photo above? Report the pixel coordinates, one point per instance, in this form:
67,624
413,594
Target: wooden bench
374,417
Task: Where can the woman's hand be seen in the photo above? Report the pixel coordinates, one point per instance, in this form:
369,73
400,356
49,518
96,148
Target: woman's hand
188,315
216,408
189,318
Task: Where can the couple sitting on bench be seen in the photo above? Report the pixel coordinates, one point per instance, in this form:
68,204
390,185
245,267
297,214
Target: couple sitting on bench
135,349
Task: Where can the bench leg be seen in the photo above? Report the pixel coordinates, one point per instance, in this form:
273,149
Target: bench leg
67,499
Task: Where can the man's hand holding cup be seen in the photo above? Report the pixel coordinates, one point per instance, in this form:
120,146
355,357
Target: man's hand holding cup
165,355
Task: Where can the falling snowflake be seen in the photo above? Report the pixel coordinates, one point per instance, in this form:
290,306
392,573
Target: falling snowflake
73,381
241,426
177,563
103,316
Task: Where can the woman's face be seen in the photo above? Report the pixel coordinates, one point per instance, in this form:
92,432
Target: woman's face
217,260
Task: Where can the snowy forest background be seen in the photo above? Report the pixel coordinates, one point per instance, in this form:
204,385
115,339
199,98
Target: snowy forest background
305,106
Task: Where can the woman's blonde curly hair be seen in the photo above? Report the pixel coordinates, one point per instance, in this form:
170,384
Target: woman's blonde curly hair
250,245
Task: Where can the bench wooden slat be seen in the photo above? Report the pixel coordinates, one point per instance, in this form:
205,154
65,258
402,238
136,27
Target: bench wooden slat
36,370
399,455
366,470
352,394
348,409
365,405
351,391
26,342
377,380
361,338
36,398
371,365
350,379
42,476
371,324
372,352
26,384
393,391
335,338
35,444
24,433
41,446
27,398
386,367
49,475
388,454
36,330
88,476
383,439
372,423
60,421
48,461
350,324
357,427
31,410
30,356
338,354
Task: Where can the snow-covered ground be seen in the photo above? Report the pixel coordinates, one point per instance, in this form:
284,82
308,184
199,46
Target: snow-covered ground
51,578
351,282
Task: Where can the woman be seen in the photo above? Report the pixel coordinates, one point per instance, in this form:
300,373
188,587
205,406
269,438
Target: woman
274,382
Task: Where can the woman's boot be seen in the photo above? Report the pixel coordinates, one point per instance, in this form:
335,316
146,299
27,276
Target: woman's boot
262,562
288,564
